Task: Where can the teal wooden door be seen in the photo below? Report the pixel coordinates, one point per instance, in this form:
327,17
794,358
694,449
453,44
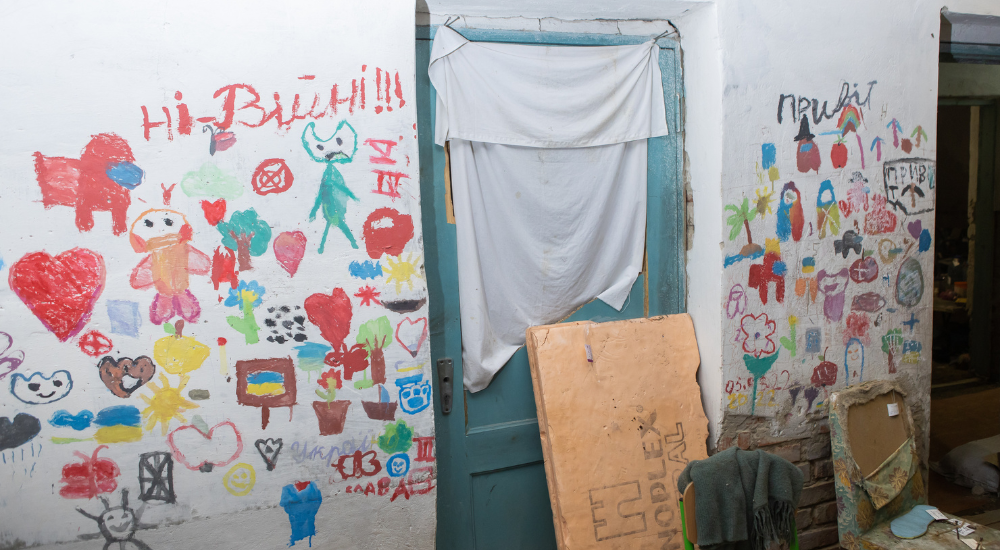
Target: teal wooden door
491,481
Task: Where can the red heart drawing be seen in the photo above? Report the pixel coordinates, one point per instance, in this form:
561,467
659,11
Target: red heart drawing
60,291
289,247
411,334
332,314
197,450
214,211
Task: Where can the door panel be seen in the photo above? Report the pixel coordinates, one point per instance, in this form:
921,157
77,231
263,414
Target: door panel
491,480
519,500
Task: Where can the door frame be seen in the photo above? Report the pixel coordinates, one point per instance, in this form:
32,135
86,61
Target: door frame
982,321
663,269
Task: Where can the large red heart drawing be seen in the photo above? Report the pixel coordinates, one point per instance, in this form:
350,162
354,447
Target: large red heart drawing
62,290
332,314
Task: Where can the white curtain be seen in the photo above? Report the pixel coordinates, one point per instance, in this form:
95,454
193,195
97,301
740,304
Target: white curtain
548,172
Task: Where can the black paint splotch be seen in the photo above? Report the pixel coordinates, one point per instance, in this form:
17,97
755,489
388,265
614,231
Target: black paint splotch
23,429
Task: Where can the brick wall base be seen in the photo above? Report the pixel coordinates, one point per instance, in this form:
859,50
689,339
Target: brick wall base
816,517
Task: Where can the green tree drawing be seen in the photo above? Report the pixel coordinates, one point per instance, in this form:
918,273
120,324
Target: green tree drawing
247,234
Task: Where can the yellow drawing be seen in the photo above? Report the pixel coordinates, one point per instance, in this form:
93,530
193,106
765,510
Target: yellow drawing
179,354
408,369
240,479
401,271
118,434
165,404
763,202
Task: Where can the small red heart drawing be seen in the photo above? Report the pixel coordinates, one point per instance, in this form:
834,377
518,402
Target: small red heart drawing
62,290
224,140
332,314
289,247
411,334
214,211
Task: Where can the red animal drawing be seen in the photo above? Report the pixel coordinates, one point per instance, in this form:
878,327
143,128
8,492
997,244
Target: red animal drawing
98,181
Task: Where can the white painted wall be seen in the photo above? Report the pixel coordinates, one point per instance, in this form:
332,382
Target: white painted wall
738,58
703,129
562,9
81,71
769,49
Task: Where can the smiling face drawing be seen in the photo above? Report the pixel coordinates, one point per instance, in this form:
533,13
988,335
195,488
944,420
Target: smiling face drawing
157,229
39,389
119,523
240,479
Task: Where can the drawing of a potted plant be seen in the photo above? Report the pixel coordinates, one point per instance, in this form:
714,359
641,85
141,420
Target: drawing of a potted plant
383,409
374,335
331,413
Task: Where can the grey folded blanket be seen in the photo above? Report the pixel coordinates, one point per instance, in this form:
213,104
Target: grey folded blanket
745,499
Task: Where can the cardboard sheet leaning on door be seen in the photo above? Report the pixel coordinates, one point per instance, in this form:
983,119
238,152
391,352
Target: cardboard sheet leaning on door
620,415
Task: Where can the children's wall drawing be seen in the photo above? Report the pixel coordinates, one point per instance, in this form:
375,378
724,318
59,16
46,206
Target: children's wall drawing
856,262
212,286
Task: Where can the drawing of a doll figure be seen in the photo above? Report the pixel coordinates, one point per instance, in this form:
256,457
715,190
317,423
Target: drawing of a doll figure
165,235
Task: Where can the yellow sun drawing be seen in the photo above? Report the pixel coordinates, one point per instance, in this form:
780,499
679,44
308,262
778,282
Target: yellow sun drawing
764,198
402,271
166,404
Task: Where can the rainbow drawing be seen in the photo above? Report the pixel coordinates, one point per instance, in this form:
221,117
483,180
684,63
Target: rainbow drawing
850,120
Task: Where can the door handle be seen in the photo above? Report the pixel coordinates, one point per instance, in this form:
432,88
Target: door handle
446,370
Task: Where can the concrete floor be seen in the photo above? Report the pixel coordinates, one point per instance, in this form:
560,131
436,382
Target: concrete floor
960,414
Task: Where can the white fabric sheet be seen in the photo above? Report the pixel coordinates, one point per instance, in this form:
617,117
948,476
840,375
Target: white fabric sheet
545,96
546,220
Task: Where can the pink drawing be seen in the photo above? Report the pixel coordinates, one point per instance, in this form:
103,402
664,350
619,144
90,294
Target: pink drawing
289,247
880,219
411,334
164,234
833,285
198,450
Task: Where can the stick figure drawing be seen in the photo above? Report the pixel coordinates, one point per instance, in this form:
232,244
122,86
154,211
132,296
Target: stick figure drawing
333,192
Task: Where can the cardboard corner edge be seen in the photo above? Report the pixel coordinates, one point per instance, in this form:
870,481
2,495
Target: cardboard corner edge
531,340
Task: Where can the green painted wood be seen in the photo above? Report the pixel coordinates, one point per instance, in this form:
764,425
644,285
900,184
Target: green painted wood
520,498
490,441
980,340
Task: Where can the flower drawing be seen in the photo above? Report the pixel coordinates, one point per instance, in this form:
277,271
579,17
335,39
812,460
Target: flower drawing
756,333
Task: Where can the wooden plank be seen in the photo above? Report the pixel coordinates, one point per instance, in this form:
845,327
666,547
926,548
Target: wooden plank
980,343
617,431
